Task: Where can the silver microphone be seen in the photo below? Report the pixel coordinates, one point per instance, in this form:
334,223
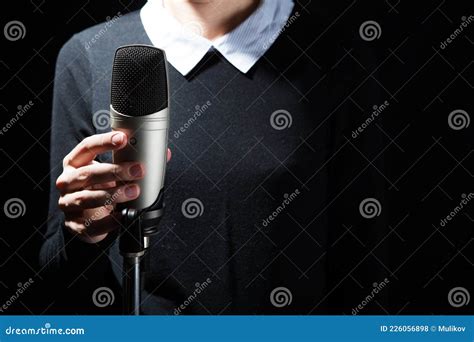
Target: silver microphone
140,108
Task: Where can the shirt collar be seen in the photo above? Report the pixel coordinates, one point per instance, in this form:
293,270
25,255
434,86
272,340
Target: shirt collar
242,47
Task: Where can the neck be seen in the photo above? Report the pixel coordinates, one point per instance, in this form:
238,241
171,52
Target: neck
211,18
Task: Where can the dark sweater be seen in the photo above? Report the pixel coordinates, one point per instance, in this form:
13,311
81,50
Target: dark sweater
264,190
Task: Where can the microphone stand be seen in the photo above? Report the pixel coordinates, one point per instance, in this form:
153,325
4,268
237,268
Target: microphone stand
136,228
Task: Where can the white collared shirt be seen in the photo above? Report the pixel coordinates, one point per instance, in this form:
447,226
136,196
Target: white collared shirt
242,47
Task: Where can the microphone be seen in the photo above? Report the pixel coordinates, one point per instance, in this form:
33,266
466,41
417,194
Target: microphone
139,108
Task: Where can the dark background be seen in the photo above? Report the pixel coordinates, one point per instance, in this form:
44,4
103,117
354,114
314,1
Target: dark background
423,165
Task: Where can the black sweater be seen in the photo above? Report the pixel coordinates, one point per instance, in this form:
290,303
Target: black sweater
254,149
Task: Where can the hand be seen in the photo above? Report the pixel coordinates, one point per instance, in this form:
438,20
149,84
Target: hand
90,190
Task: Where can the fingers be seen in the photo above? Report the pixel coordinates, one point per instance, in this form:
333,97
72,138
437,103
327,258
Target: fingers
107,185
86,151
86,199
93,175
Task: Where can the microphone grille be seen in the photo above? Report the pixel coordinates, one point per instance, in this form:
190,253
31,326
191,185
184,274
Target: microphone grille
139,83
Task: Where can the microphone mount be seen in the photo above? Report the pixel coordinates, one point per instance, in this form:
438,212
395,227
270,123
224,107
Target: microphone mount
136,227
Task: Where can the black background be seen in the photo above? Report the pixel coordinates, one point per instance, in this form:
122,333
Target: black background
425,169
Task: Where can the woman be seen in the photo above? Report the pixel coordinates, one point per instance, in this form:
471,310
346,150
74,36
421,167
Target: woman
245,229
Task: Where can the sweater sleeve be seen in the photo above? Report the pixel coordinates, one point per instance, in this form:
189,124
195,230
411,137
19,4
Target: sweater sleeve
63,257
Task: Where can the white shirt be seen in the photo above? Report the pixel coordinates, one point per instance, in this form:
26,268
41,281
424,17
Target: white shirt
242,47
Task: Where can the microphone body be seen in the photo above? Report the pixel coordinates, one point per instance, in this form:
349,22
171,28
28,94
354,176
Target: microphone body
139,108
148,140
